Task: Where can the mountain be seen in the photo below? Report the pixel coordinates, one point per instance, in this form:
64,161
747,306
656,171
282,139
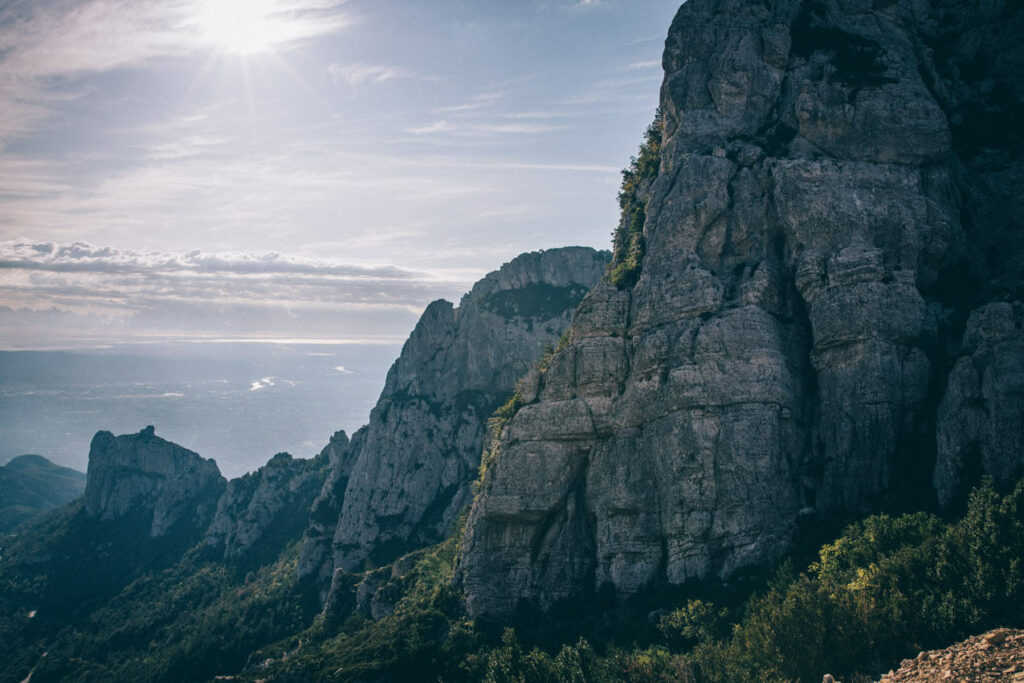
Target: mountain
814,311
811,319
403,479
147,478
30,484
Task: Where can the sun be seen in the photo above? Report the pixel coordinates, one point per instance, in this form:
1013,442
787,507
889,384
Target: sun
243,27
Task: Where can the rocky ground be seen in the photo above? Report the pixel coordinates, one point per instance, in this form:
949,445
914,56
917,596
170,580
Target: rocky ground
994,656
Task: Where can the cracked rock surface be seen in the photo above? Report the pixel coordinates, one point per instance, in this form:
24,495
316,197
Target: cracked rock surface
402,479
833,249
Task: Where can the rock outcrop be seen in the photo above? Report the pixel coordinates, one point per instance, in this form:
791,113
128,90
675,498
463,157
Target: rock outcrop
148,478
838,191
402,480
994,656
981,419
264,510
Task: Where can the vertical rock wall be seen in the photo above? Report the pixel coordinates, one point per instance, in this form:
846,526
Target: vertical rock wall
821,226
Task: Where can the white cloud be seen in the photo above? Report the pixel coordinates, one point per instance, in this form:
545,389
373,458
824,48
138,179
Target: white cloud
84,257
355,75
649,64
196,292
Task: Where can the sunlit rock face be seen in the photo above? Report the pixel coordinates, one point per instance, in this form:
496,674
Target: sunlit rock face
144,476
403,479
839,189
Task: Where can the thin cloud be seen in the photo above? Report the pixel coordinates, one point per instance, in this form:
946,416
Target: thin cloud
465,128
355,75
478,102
85,257
649,64
61,289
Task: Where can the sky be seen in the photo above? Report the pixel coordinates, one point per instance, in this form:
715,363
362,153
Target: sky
301,169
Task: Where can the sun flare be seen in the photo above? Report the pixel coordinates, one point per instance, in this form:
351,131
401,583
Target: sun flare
244,27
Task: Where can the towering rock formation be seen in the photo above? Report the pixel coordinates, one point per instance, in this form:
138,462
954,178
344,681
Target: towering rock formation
403,478
145,477
839,189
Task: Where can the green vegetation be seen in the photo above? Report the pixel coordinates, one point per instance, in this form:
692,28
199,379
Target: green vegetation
534,300
30,485
628,238
886,588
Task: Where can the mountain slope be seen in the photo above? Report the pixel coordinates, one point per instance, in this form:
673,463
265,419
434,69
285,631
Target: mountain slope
30,484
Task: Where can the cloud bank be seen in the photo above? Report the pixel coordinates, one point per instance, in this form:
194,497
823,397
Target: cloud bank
77,289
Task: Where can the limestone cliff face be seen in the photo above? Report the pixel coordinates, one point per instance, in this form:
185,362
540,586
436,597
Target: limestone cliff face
262,511
402,480
144,476
838,191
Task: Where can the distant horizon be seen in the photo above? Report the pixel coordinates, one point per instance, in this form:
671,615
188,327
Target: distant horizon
238,402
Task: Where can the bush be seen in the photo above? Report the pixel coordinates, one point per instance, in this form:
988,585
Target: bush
628,239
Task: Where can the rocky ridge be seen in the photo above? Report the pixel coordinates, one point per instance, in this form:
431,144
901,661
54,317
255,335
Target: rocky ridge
402,480
265,506
144,476
821,306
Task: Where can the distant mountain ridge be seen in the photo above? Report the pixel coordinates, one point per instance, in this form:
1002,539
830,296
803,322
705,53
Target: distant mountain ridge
403,479
30,484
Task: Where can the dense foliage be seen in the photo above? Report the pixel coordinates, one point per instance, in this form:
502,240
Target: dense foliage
628,239
886,588
107,603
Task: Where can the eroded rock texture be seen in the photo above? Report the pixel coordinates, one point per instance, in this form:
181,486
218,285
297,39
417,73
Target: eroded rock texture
402,480
264,510
839,188
144,476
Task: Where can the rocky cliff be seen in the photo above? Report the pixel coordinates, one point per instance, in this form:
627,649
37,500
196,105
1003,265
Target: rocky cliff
822,320
402,480
262,511
144,476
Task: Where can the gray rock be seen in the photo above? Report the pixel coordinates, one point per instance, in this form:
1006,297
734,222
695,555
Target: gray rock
315,558
144,476
404,478
807,256
267,507
981,418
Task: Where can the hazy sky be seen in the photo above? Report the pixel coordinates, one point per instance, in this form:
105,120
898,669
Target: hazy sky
302,168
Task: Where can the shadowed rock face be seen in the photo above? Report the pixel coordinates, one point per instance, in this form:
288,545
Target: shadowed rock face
823,223
144,475
402,480
264,510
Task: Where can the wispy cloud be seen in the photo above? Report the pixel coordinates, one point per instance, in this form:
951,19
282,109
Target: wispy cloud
85,257
355,75
477,102
648,64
